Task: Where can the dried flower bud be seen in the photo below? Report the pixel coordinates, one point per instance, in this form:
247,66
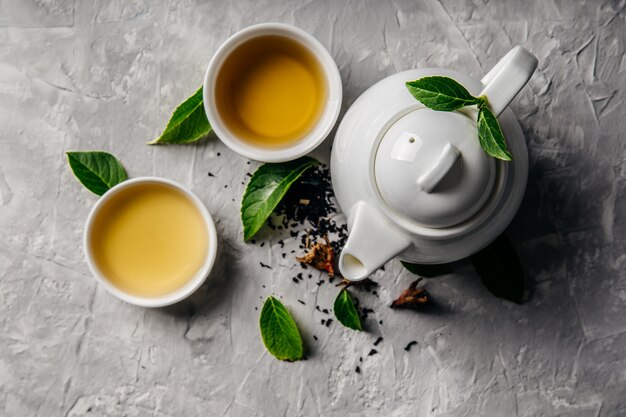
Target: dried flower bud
412,297
321,256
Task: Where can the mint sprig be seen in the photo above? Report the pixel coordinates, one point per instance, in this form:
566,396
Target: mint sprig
279,331
490,134
441,93
98,171
445,94
346,312
188,123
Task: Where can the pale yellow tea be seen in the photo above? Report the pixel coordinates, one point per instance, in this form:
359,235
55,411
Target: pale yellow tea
270,91
149,240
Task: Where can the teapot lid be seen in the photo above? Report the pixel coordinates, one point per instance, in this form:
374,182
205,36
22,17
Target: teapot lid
430,168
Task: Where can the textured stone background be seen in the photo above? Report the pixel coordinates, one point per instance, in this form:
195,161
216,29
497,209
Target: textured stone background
106,74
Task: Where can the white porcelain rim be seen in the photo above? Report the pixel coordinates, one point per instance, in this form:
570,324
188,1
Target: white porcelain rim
327,120
180,293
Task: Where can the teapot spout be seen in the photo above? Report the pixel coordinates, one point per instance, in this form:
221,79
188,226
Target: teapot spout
373,240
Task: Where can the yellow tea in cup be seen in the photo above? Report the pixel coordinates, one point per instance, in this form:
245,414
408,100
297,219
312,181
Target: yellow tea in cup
149,239
270,91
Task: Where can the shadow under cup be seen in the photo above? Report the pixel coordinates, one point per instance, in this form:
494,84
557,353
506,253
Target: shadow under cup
272,92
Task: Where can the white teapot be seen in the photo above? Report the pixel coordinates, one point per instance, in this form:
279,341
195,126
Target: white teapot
415,182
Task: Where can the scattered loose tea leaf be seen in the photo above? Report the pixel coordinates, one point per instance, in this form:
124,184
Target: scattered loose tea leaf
367,283
97,171
346,312
187,124
372,352
311,204
409,345
380,339
412,297
321,256
266,188
500,270
279,331
365,312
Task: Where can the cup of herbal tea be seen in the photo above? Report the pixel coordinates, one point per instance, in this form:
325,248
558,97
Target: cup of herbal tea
150,241
272,92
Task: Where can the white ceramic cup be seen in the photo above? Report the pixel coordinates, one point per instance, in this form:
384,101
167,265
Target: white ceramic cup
323,126
194,282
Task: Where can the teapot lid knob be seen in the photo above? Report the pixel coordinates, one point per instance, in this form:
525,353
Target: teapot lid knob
428,181
429,168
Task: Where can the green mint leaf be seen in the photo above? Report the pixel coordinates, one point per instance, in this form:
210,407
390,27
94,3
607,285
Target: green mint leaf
427,271
345,311
279,331
98,171
266,188
500,270
187,124
441,93
490,135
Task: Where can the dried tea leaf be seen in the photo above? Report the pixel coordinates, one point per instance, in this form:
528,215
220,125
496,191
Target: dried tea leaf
412,297
321,256
366,283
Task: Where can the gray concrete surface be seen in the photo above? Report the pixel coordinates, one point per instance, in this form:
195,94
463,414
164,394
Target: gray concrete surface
106,75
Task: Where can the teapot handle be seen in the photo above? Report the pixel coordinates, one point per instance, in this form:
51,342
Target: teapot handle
507,78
